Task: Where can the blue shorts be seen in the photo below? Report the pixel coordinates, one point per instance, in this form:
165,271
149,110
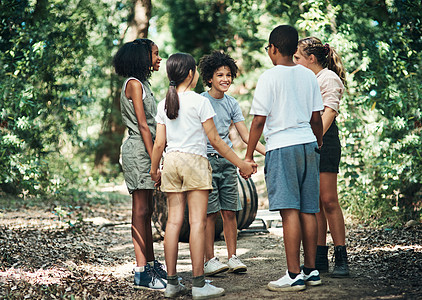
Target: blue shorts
292,178
224,195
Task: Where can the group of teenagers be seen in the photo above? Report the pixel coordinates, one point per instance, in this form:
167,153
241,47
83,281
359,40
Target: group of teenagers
295,105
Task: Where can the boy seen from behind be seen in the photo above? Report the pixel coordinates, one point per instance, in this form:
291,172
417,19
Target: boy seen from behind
218,71
286,106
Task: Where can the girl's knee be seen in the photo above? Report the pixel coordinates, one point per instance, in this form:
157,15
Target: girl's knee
198,224
330,203
142,213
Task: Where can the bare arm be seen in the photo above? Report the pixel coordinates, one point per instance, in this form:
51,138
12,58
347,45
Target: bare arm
316,125
134,92
327,118
245,168
159,145
257,126
244,134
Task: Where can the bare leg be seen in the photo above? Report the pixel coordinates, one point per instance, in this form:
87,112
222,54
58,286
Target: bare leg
198,202
322,225
209,236
141,226
176,203
333,213
309,238
292,234
230,231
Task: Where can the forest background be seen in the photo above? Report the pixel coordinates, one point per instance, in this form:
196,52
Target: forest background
60,125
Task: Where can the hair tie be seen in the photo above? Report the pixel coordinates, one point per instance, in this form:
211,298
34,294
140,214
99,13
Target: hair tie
327,49
172,83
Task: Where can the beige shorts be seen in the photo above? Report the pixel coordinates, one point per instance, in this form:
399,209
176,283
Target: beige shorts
185,172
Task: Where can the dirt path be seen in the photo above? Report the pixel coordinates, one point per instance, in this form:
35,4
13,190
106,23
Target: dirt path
43,258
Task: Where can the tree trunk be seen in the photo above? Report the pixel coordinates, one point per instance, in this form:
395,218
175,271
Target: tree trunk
139,23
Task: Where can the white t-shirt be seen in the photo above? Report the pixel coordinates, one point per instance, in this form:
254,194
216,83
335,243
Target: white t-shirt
185,133
287,96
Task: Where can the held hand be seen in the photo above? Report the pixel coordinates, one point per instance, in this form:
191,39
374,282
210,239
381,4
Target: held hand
156,176
255,167
248,168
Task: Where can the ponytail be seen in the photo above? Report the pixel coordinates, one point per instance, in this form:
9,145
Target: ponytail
326,56
178,66
172,106
335,64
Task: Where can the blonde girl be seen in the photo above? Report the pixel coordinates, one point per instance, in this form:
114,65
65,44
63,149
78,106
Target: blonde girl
324,61
184,120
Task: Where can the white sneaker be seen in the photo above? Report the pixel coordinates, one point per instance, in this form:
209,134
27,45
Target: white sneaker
235,265
172,291
208,291
214,266
312,279
286,284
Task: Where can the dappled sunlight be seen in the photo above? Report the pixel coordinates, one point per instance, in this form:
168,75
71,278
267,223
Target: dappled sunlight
41,276
123,247
27,219
396,248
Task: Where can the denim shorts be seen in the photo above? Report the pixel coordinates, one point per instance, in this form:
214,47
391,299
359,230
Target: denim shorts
224,195
292,178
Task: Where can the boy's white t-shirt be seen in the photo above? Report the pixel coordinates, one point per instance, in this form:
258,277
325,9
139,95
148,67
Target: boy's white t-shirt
185,133
287,96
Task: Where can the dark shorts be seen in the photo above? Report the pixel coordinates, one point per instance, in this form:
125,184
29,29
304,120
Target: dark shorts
224,195
330,150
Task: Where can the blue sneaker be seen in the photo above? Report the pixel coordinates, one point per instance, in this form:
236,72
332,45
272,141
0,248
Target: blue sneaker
286,284
160,269
312,279
146,278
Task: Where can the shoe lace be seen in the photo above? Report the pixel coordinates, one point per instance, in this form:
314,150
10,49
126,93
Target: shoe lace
154,276
160,269
235,260
214,261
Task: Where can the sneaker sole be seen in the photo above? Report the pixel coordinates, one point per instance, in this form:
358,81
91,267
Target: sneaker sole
141,287
313,282
208,296
174,295
238,270
294,288
223,269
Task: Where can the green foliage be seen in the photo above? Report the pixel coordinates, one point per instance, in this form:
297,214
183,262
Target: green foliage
57,87
42,74
380,116
54,55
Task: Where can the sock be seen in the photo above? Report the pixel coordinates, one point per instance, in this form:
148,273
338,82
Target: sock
151,263
293,275
139,269
173,279
307,271
198,281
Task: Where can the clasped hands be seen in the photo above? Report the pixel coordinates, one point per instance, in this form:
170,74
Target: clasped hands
156,176
249,167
